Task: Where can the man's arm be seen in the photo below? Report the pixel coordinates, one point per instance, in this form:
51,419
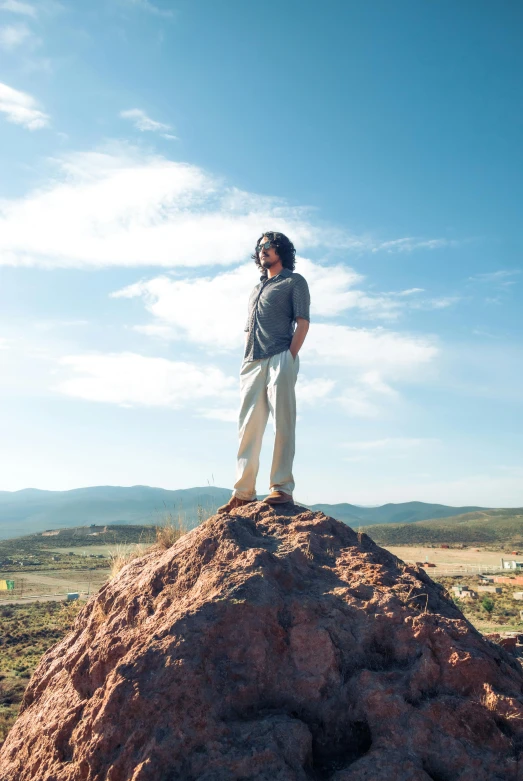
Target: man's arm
302,326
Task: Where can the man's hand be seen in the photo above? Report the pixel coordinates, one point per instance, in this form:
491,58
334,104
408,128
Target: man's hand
302,326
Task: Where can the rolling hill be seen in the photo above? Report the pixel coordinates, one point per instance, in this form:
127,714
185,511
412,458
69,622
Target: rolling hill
33,510
405,512
500,526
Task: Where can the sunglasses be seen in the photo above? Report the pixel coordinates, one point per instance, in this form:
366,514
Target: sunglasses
266,245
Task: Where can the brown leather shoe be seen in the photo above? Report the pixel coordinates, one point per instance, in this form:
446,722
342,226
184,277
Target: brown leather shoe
278,497
233,503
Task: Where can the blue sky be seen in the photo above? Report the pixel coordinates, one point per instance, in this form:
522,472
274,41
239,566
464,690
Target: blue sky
143,148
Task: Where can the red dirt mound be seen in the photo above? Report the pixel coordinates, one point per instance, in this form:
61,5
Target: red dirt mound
274,644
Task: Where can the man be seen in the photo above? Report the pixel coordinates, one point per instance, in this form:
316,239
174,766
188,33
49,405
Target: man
276,328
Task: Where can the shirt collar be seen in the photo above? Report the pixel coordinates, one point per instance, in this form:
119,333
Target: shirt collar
285,272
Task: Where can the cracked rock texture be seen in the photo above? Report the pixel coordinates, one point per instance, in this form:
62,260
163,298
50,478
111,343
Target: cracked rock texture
274,644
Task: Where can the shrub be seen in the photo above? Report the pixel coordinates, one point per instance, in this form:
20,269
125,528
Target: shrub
487,604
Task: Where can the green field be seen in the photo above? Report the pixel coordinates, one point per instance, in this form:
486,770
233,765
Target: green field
77,548
26,632
482,527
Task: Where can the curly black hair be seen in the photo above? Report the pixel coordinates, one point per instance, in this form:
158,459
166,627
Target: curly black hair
284,249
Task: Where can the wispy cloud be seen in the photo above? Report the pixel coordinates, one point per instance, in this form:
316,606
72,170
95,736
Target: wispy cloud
146,5
122,207
17,7
411,291
436,303
500,278
21,108
13,35
144,123
49,325
313,391
389,443
411,243
388,448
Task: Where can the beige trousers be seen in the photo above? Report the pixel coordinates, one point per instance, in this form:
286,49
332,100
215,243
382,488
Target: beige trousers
267,385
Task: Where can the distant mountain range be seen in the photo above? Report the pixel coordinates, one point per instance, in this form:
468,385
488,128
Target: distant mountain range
33,510
501,526
404,512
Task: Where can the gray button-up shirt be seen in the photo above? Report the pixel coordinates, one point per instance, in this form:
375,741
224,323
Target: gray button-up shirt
274,306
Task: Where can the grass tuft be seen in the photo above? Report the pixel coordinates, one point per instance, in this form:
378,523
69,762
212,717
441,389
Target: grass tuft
169,530
122,556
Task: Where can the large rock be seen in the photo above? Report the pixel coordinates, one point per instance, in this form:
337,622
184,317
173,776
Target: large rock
277,644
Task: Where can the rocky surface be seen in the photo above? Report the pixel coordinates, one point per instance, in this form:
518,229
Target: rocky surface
274,644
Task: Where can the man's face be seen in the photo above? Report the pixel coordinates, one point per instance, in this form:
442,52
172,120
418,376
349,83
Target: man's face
268,257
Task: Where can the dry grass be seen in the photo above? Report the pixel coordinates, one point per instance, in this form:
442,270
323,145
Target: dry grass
169,530
494,703
123,556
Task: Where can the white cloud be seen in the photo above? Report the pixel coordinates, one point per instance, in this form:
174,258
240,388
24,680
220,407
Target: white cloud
364,363
12,35
209,311
213,310
123,207
50,325
155,330
128,209
21,109
390,443
356,403
17,7
334,291
501,280
313,391
389,353
375,382
225,414
129,380
187,308
439,303
144,123
146,5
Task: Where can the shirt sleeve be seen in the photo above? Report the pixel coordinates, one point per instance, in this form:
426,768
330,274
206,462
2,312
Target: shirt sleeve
301,300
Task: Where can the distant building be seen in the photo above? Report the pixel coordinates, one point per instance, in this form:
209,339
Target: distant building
463,592
511,564
518,595
490,589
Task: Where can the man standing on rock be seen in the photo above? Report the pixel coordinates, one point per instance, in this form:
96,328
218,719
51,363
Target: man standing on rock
276,328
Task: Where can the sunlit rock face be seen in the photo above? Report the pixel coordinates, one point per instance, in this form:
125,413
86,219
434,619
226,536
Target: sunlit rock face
277,644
